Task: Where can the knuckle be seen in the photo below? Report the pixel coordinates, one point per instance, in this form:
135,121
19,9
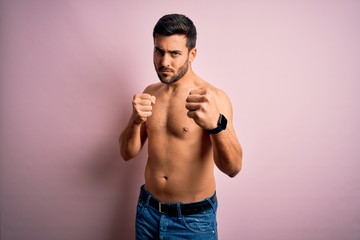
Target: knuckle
204,98
137,96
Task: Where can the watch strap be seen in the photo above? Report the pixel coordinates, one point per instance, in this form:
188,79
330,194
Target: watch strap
222,122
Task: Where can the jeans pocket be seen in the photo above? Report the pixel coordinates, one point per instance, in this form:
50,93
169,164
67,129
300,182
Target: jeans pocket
200,223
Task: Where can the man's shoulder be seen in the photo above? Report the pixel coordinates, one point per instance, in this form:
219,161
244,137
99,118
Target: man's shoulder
152,88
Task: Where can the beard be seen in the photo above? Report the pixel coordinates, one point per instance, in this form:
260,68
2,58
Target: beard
177,75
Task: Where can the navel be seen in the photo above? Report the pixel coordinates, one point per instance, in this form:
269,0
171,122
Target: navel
165,178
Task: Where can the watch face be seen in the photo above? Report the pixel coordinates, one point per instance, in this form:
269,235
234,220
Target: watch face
222,121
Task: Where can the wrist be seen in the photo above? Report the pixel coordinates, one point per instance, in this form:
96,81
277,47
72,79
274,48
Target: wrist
221,125
214,123
136,121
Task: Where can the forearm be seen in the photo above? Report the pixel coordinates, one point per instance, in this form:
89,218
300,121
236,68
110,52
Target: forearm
131,140
227,152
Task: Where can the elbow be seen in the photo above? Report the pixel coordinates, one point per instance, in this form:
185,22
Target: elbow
126,156
125,152
231,170
235,170
230,166
236,163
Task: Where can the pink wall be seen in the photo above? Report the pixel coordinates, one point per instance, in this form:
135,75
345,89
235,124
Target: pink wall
70,68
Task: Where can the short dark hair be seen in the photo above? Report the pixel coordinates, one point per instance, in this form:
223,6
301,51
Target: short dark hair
176,24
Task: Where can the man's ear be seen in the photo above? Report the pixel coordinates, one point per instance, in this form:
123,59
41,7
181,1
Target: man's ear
192,54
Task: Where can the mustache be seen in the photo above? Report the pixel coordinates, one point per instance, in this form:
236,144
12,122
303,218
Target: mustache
165,69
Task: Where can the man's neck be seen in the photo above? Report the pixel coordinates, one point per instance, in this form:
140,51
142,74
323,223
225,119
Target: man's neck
189,79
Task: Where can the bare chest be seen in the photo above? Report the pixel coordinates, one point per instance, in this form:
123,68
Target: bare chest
170,118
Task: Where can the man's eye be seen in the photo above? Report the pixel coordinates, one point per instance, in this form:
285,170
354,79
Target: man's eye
175,54
159,52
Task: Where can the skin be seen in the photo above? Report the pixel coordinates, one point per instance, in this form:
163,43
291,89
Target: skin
173,116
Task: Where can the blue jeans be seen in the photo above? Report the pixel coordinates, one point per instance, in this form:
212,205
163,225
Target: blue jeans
152,224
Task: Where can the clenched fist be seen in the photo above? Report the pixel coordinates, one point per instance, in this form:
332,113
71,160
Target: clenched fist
202,108
142,106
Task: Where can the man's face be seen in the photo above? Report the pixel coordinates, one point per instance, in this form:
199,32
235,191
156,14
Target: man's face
171,57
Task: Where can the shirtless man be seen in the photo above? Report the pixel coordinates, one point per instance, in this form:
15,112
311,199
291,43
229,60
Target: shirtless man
189,127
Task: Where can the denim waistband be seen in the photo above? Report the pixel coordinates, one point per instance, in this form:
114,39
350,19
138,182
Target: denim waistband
174,209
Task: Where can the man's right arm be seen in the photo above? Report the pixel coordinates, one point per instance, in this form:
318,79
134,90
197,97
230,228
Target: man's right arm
133,137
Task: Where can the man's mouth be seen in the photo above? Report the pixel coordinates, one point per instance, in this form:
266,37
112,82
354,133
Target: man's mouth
165,70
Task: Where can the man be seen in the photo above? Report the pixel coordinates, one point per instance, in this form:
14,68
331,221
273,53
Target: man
189,128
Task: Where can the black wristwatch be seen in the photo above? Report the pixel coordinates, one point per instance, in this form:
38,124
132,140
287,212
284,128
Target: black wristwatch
222,122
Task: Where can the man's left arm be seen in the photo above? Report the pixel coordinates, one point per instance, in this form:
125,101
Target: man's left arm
205,107
226,148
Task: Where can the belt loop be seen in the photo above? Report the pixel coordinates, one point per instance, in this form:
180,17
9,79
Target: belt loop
178,205
148,200
148,196
212,204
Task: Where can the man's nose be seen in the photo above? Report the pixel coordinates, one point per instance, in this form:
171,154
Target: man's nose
165,60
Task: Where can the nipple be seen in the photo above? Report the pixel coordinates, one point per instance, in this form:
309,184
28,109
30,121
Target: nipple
185,129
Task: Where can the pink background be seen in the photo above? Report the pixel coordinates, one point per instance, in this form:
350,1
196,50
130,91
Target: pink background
68,73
